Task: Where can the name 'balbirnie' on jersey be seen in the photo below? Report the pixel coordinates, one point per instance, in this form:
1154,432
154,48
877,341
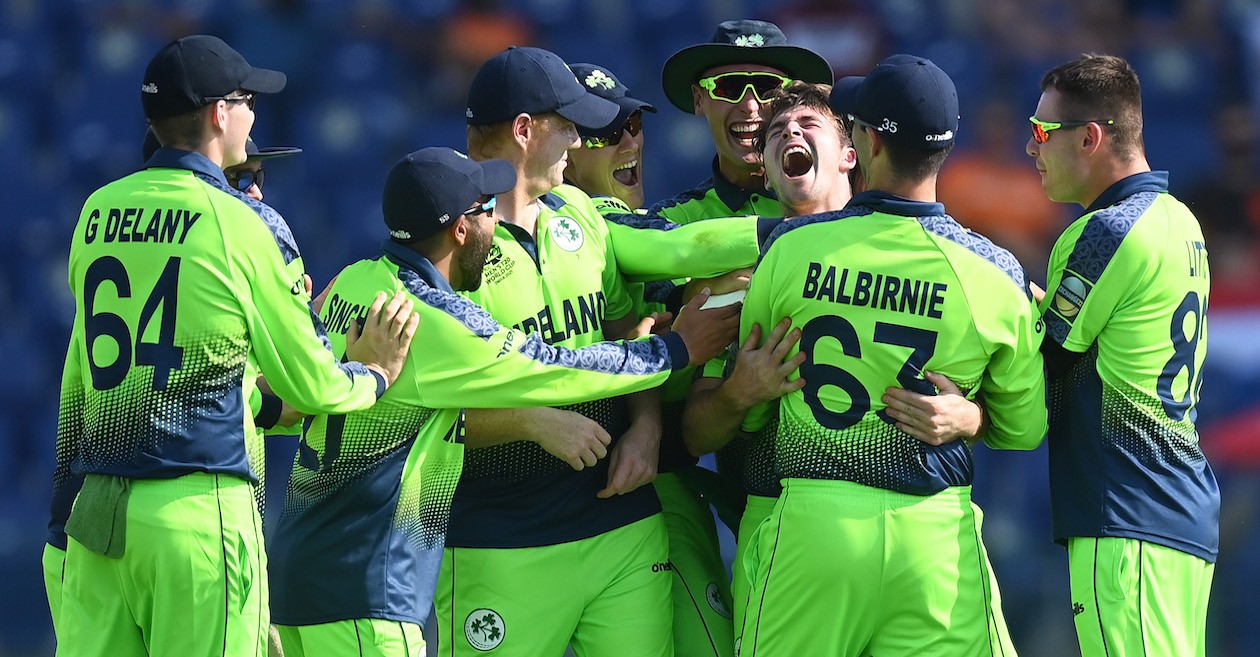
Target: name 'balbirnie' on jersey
882,290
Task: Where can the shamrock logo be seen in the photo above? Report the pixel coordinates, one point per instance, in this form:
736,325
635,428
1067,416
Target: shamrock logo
567,234
484,629
750,40
598,78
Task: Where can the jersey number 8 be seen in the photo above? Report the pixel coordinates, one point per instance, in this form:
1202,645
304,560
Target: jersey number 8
1183,358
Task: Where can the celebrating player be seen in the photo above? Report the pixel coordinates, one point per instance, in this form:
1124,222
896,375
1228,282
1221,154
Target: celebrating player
153,414
809,162
1133,496
727,80
882,291
356,552
521,515
608,166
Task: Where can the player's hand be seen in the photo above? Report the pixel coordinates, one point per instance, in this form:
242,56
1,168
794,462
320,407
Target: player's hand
1037,293
729,282
318,302
634,459
706,332
935,419
387,332
656,323
761,373
571,437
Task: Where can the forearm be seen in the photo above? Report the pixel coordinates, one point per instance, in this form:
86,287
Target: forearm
486,427
711,418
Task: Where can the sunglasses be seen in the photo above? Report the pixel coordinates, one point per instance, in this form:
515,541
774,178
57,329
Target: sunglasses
245,179
731,87
247,98
1041,129
483,208
633,125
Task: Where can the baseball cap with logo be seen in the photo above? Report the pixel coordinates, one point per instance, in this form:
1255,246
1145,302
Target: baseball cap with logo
601,82
189,72
907,99
429,189
533,81
742,41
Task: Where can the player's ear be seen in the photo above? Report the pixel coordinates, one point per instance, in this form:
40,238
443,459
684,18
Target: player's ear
217,115
696,97
1093,137
459,230
524,127
848,158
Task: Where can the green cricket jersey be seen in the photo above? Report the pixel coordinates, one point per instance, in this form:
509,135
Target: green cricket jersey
883,290
563,286
1130,284
717,197
366,513
697,256
179,281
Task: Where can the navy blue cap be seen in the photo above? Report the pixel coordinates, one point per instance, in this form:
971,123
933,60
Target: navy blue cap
252,151
533,81
741,41
601,82
908,99
429,189
187,72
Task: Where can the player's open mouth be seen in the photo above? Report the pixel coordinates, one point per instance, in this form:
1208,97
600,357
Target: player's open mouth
745,132
796,161
627,174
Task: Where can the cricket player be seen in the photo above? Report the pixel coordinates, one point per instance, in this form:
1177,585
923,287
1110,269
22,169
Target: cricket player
154,413
520,514
1132,495
810,163
608,166
355,555
727,81
881,291
267,409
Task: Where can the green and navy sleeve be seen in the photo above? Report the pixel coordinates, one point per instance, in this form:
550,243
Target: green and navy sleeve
1013,384
472,361
286,337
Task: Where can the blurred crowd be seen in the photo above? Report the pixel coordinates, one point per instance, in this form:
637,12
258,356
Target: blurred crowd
370,80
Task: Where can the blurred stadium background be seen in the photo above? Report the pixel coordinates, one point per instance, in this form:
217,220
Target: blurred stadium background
370,80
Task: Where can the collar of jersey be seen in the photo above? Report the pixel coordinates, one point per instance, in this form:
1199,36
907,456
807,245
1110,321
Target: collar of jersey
734,196
174,158
1147,181
405,257
891,204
